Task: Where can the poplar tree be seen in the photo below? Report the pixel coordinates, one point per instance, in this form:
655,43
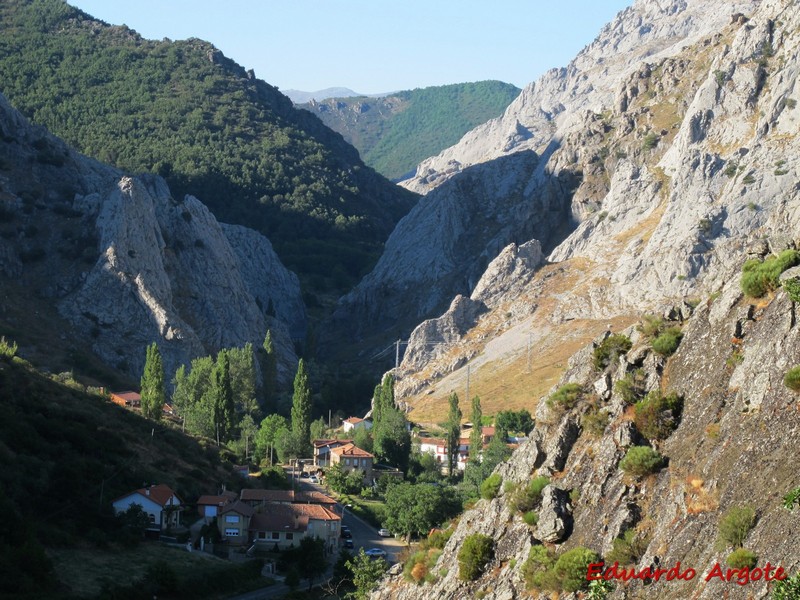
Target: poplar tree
224,406
152,383
476,436
301,406
453,434
270,368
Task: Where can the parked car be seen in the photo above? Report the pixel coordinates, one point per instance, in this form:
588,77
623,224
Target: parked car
383,532
314,479
304,475
348,543
376,553
346,532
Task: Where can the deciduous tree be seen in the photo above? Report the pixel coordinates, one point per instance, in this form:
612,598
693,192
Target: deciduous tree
152,384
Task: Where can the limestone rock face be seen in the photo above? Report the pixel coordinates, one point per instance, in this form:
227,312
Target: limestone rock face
126,264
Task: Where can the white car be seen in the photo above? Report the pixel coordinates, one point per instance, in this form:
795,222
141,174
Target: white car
383,532
313,479
375,553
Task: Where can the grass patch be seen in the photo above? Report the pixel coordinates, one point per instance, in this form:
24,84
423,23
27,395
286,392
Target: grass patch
761,277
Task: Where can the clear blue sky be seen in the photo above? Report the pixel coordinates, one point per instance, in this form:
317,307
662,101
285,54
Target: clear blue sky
374,46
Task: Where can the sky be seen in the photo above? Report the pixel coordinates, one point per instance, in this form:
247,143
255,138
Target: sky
375,46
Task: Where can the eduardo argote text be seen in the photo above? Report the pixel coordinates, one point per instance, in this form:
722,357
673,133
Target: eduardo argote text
743,576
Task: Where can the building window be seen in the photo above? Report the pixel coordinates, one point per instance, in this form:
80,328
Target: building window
347,462
152,517
232,518
276,535
289,536
262,535
231,532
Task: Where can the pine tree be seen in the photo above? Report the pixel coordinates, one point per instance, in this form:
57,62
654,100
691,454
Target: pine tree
301,405
453,435
476,437
152,384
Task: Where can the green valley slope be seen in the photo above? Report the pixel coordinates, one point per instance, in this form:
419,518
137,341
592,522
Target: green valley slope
396,132
184,111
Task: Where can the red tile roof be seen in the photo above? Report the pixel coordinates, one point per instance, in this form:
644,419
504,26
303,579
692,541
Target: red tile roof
351,450
353,420
213,500
238,507
290,517
160,494
285,496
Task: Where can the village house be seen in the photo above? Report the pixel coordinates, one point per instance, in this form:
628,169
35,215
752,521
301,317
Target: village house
209,506
234,522
322,450
261,499
129,399
352,457
284,525
354,423
162,506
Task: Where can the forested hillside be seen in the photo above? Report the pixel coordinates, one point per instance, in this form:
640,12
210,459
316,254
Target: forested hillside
184,111
396,132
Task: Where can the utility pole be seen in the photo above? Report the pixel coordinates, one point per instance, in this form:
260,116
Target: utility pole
397,354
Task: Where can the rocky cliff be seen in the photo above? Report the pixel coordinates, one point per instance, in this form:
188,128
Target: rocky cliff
686,148
127,264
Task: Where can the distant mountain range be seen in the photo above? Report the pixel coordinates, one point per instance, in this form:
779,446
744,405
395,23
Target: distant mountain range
394,132
300,97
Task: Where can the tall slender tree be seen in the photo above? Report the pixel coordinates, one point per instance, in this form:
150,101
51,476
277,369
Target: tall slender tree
476,436
224,406
270,369
301,405
152,383
453,434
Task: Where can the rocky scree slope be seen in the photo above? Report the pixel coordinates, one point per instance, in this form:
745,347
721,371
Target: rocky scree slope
732,447
126,264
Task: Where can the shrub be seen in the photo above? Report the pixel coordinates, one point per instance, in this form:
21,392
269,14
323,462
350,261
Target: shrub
631,387
792,498
641,460
650,141
628,549
571,568
7,349
657,416
792,288
651,326
595,422
475,552
736,524
610,349
491,486
792,379
531,518
741,558
528,497
760,277
666,343
537,569
567,396
788,589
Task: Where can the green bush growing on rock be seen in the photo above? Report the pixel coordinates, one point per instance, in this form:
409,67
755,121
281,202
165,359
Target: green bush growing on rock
667,342
792,288
566,397
736,524
628,549
475,553
788,589
525,498
567,573
657,415
760,277
595,422
610,349
531,518
741,558
641,460
792,379
491,486
631,387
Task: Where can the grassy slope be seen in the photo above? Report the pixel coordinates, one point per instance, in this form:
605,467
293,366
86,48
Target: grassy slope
395,133
64,456
183,110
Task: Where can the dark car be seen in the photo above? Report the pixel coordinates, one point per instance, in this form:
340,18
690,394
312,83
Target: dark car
346,534
348,543
304,475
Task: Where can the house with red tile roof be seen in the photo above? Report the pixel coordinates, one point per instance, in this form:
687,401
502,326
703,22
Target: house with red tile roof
353,423
351,457
322,450
284,525
259,499
209,506
234,522
129,399
159,502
